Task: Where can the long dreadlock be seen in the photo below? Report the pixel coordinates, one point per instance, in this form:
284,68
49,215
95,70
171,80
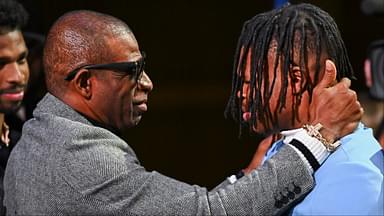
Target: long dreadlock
298,28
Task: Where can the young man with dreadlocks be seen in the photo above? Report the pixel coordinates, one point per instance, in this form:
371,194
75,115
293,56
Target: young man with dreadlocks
278,64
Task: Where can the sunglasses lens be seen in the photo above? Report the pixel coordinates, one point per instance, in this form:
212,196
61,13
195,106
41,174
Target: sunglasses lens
140,69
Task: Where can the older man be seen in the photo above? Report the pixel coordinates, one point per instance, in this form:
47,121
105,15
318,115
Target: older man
71,160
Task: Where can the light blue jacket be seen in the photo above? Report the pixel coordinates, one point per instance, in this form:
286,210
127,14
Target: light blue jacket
350,182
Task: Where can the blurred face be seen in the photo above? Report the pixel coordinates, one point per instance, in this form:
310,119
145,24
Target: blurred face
14,72
283,116
121,100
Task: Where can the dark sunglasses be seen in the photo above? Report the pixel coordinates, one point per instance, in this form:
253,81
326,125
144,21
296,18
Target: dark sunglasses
134,69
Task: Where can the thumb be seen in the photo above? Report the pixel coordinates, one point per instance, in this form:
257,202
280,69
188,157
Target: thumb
329,78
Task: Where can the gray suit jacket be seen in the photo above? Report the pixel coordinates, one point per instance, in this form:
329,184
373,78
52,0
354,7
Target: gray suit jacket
64,165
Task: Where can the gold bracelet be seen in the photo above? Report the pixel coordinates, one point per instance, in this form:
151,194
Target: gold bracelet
314,131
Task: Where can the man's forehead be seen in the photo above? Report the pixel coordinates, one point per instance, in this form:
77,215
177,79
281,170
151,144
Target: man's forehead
297,49
12,36
123,46
12,41
122,37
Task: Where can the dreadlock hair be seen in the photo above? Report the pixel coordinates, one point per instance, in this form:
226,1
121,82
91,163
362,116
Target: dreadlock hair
294,29
12,16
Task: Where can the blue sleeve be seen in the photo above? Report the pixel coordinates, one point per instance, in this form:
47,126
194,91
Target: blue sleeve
348,188
273,150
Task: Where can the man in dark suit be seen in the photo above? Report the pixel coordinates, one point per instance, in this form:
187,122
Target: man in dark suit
71,160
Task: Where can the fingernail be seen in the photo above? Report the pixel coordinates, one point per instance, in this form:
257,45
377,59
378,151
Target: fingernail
328,66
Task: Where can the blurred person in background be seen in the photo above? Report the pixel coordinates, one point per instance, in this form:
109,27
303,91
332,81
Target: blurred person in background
14,73
373,99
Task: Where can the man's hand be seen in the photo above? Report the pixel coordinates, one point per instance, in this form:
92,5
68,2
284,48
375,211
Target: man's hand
335,106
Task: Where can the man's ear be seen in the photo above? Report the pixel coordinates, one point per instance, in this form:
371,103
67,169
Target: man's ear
83,84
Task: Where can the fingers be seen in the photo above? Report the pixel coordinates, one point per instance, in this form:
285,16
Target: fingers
344,83
356,110
353,114
329,77
342,88
337,109
335,106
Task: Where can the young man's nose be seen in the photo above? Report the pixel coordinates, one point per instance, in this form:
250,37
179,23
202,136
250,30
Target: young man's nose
243,96
245,92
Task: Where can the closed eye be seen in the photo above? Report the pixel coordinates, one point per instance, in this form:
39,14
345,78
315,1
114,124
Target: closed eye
22,56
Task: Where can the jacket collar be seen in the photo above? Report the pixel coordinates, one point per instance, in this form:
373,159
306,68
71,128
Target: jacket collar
53,105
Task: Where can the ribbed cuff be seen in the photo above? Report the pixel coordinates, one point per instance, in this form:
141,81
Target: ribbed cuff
310,149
